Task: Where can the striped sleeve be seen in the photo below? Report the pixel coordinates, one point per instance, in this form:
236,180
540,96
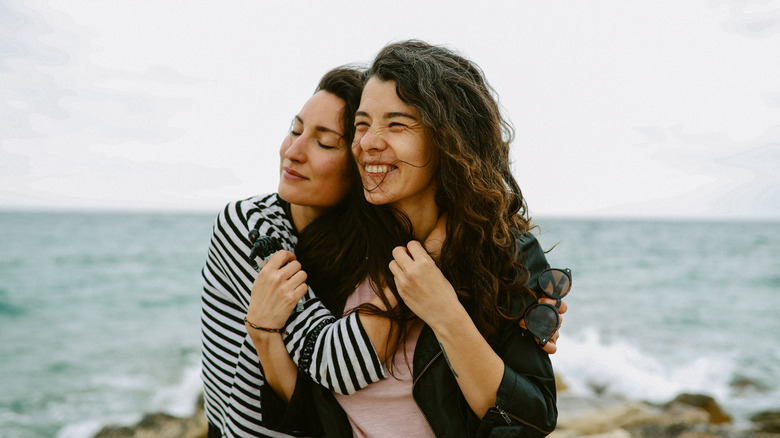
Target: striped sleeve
231,372
335,353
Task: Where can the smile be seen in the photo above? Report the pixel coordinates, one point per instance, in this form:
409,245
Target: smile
375,168
291,174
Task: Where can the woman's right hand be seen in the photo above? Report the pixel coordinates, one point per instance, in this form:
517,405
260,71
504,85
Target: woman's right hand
276,290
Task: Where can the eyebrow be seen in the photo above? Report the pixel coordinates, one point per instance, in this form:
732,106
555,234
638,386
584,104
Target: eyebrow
389,115
319,128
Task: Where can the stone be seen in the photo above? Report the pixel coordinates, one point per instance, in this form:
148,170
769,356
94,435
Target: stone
161,425
717,415
560,384
768,422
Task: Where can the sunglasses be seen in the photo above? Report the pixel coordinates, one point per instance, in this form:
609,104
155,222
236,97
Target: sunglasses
542,319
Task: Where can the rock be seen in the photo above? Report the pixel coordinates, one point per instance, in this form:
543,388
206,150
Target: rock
717,415
162,425
768,422
610,416
560,385
744,384
614,418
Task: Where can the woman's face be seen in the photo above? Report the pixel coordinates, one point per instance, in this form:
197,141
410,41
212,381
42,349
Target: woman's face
395,156
314,156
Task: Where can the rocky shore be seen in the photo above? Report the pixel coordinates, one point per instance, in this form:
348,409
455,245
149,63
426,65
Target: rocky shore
161,425
687,416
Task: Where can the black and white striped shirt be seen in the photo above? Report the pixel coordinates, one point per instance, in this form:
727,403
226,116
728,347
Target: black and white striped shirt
336,355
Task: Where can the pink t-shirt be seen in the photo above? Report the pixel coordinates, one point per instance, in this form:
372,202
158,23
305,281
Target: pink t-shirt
386,408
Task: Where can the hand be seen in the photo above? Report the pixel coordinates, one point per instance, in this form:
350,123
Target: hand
421,284
435,240
550,347
276,291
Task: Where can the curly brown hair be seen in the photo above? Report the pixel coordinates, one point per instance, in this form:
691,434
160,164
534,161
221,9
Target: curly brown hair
475,186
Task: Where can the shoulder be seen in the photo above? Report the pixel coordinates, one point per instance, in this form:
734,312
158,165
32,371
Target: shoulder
261,211
267,213
248,212
531,253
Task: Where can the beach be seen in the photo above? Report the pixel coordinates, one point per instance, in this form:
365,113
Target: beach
688,415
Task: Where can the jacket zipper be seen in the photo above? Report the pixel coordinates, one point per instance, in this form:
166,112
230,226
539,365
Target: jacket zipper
415,383
509,417
504,415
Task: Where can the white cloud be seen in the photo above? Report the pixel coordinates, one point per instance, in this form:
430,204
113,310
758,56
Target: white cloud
611,100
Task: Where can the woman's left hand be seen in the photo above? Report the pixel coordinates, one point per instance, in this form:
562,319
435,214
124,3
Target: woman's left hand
551,346
421,284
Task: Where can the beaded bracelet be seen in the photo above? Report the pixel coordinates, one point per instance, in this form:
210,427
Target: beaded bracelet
265,329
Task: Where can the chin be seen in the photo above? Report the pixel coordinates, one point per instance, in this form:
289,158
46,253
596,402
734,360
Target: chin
289,195
376,198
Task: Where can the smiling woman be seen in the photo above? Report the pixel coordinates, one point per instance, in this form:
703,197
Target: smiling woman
394,155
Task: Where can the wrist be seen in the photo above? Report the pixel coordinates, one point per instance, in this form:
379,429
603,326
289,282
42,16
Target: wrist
262,329
456,319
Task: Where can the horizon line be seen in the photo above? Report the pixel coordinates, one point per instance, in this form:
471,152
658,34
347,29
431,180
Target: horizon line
544,216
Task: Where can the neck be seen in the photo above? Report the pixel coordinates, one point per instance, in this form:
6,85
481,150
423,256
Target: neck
303,215
422,215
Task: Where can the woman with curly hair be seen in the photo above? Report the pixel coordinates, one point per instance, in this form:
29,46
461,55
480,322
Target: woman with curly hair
432,151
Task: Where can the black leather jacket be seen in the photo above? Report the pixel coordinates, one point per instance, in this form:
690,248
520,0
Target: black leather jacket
525,402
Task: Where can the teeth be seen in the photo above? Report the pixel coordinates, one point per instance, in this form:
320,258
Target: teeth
377,169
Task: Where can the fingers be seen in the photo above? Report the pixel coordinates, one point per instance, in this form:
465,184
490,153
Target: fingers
404,258
416,250
283,262
401,256
279,259
561,309
550,347
412,252
395,268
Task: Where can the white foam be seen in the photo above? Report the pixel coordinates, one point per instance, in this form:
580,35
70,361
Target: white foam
589,365
84,429
179,400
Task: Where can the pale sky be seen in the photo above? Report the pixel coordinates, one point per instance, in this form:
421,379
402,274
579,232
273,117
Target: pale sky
622,108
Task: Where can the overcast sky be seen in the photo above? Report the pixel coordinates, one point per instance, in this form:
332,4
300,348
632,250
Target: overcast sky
621,108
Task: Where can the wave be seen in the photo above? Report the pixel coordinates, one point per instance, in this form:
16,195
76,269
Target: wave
178,399
591,366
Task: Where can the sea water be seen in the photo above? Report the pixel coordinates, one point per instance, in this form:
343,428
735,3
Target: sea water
99,319
664,307
99,314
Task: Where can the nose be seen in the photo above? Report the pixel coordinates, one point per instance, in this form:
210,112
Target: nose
296,149
371,139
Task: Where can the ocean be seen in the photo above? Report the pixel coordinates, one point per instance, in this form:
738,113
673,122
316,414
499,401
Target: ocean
99,314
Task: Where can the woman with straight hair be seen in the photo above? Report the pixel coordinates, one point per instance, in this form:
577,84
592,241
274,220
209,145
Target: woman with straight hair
315,180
